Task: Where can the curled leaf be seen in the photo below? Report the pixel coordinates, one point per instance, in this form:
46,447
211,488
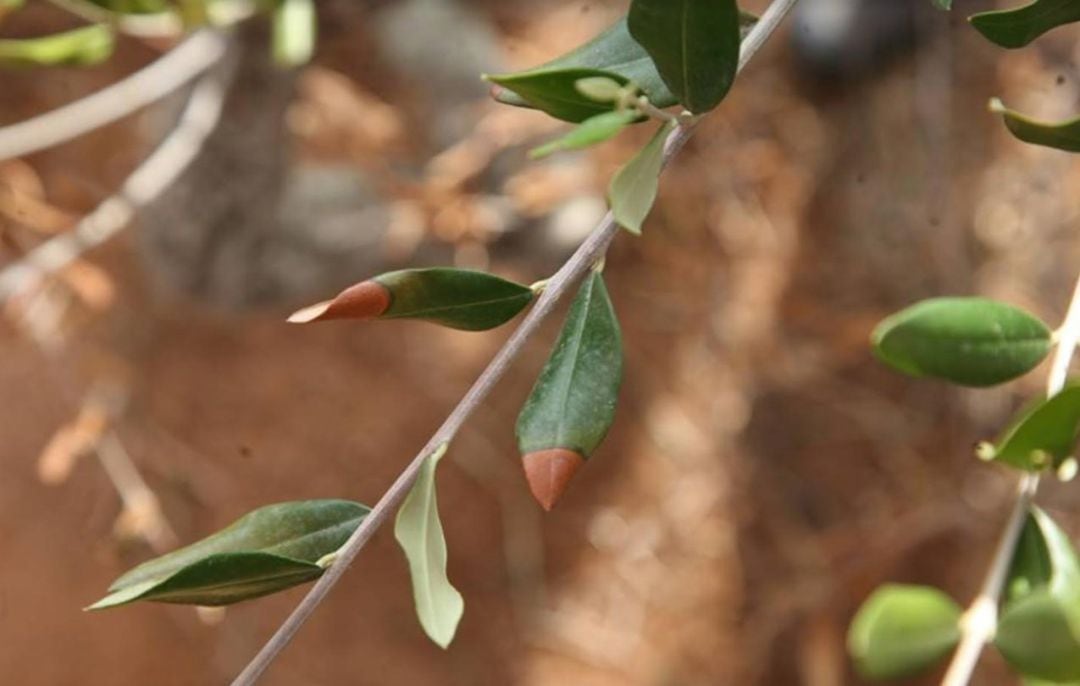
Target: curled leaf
1061,135
418,530
634,187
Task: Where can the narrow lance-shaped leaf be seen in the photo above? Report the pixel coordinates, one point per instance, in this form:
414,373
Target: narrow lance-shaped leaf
294,32
1044,435
267,550
1061,135
970,341
80,47
633,188
418,529
1016,28
901,630
694,45
590,132
572,405
456,298
1039,630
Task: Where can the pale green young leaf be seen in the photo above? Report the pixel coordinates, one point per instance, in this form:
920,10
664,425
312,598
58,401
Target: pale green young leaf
594,130
294,32
419,531
84,46
633,189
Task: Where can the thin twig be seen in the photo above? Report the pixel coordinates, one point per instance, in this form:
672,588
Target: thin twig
164,76
592,249
159,171
980,620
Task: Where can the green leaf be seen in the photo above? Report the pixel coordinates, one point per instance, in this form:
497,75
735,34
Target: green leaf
1039,631
901,630
1061,135
1018,27
970,341
633,188
438,604
943,4
1044,435
590,132
85,46
456,298
572,404
267,550
294,32
612,54
694,45
134,6
1031,567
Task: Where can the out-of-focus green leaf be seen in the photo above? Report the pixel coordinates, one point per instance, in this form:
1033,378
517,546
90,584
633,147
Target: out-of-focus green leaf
133,6
943,4
694,45
589,132
901,630
79,47
1043,436
419,531
1016,28
294,32
970,341
1061,135
267,550
1031,568
633,188
1039,630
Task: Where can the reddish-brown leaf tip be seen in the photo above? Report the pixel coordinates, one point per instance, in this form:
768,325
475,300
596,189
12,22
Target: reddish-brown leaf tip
549,473
365,300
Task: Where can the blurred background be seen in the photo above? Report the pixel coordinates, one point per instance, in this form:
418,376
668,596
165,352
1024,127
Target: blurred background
764,473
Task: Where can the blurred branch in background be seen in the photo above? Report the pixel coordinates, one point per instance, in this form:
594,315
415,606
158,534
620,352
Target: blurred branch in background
180,147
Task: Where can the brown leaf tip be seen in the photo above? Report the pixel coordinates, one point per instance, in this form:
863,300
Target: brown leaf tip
549,473
365,300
